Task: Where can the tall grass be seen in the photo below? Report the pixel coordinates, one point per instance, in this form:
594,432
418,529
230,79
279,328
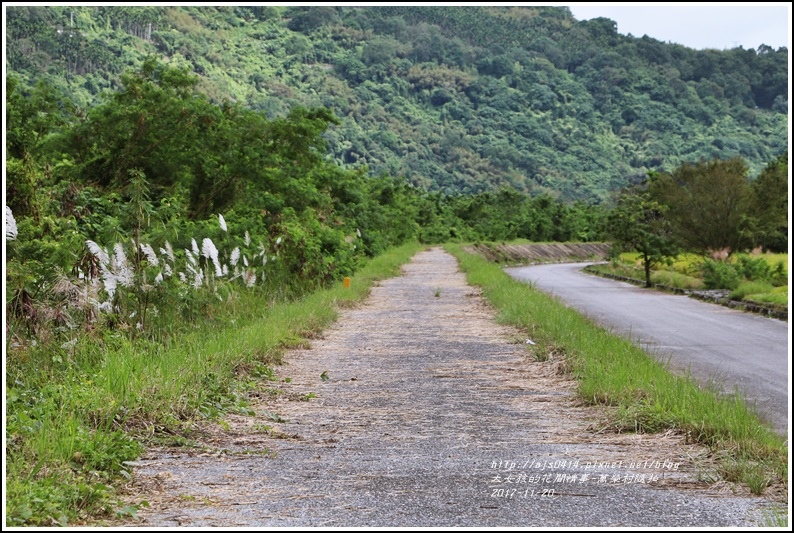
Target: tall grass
75,418
614,371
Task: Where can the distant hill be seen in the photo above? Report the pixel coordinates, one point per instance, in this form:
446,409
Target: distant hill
457,99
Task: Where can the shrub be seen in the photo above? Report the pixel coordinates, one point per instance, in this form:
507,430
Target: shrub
751,269
719,275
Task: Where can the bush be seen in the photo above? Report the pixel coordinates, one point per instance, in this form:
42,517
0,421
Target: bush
757,269
719,275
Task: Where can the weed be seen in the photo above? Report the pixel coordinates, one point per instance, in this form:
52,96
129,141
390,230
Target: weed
757,479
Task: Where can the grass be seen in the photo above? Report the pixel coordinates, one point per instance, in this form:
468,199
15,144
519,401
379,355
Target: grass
73,418
613,371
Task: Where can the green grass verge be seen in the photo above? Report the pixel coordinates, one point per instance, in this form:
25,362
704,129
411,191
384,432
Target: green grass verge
73,418
647,397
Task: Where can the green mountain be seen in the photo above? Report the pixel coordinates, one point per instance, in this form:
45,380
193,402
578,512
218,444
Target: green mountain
455,99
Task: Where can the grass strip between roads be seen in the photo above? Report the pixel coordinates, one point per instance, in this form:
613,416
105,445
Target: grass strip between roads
72,424
647,397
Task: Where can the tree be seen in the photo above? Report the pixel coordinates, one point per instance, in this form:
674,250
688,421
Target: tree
770,205
709,204
638,223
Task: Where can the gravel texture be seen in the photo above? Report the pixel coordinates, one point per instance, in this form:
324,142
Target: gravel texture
432,414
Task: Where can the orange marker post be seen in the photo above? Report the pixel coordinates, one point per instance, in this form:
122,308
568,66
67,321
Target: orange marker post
346,283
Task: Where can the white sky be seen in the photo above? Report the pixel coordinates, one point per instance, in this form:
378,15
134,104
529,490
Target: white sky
698,25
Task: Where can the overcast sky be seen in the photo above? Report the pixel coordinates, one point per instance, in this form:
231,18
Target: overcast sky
699,25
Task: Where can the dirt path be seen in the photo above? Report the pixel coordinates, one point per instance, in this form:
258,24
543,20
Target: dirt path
432,415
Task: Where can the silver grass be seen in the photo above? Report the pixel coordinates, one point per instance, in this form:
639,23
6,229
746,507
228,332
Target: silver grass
168,252
119,263
98,252
11,225
151,257
209,251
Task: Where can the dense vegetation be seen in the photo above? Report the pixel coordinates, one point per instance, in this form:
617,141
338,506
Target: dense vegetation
457,99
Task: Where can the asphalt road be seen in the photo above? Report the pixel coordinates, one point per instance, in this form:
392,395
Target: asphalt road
738,350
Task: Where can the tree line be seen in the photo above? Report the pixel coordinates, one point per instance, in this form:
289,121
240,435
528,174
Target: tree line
711,208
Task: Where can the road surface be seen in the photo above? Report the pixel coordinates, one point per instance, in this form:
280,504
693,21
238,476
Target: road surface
732,348
429,414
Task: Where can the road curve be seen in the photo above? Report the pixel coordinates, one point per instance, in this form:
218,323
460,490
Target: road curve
735,349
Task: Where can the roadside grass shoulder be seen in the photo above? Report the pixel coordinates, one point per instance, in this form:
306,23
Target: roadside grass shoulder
73,419
614,371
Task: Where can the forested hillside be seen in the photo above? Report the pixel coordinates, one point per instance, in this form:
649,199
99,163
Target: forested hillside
455,99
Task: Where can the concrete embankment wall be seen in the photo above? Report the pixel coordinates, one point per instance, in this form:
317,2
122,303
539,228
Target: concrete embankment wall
541,252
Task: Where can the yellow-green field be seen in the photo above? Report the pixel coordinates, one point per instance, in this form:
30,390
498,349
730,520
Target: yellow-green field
686,273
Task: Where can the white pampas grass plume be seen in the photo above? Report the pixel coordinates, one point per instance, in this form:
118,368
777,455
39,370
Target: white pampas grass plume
247,238
222,222
245,260
195,246
209,251
168,252
358,232
198,276
11,225
159,277
278,241
98,252
112,272
123,272
190,256
250,278
235,257
151,257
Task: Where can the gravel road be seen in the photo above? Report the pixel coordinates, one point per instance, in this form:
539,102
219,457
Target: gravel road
432,415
